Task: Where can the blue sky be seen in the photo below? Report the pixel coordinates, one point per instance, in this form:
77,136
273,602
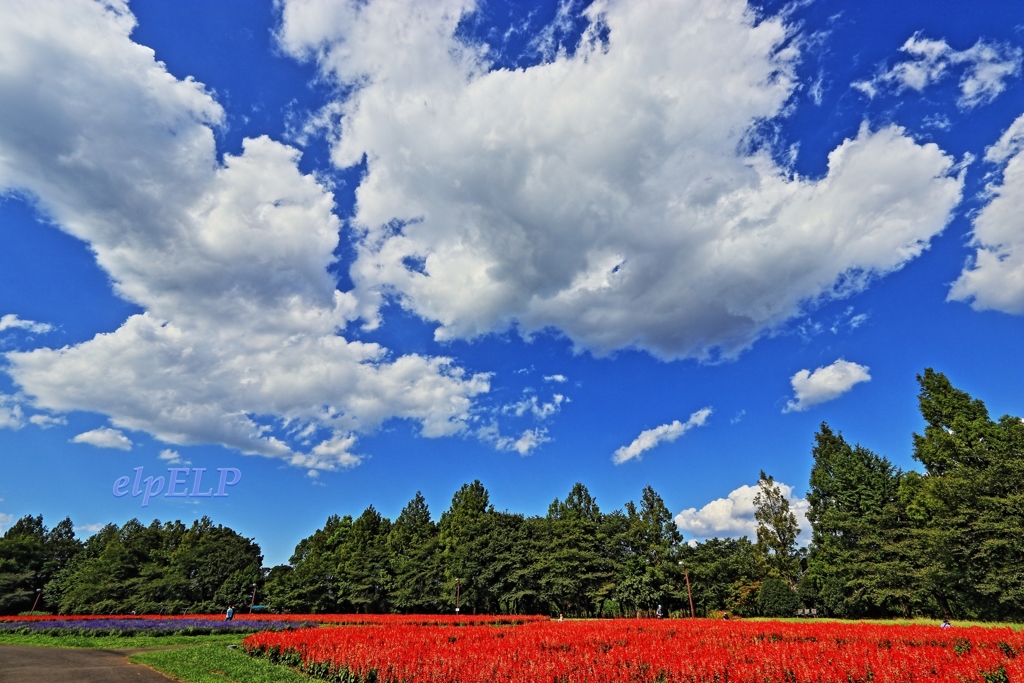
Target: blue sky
355,250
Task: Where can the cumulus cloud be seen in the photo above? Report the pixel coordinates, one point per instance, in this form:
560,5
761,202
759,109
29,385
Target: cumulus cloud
524,444
994,278
11,414
13,322
47,421
733,516
824,384
104,437
88,529
240,334
556,378
533,406
616,193
172,457
338,449
650,438
985,69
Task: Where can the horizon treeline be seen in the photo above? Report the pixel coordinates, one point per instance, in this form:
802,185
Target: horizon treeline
945,542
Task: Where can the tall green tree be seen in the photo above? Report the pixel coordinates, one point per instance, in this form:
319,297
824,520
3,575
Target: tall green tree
311,585
362,564
415,563
777,530
859,560
23,557
649,545
217,566
519,564
970,503
576,576
466,551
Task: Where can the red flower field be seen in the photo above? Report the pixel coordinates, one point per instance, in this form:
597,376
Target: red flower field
637,651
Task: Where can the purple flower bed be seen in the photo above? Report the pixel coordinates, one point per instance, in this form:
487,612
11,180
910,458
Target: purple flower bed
152,627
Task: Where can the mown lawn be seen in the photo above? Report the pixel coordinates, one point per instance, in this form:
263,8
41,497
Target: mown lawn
190,659
216,664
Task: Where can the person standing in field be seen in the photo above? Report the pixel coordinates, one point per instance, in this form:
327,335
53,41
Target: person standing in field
231,613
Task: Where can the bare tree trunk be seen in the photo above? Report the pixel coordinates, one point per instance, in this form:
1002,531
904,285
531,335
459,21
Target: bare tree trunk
947,613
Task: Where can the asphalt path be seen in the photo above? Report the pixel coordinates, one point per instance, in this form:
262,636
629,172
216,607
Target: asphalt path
26,664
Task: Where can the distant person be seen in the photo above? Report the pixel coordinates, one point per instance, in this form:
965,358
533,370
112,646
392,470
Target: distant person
658,613
560,617
231,613
946,624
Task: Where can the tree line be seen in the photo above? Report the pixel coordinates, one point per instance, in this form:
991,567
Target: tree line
942,542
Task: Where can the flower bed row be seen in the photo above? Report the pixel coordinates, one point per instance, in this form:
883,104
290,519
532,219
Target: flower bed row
628,651
142,626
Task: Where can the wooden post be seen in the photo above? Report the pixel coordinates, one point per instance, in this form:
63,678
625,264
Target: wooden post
688,593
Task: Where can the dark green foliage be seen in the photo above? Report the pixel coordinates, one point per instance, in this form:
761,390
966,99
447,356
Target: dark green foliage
649,547
969,504
415,569
859,561
362,565
576,560
776,598
945,542
163,568
724,575
467,551
575,574
31,556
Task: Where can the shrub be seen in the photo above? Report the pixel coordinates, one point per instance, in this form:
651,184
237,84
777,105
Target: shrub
777,599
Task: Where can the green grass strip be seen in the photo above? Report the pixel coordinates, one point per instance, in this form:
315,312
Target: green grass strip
216,664
118,642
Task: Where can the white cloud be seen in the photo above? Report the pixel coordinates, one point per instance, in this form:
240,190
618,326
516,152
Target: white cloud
11,414
104,437
602,193
985,69
824,384
5,521
532,405
556,378
172,457
47,421
241,321
650,438
524,444
733,516
88,529
338,449
994,278
13,322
